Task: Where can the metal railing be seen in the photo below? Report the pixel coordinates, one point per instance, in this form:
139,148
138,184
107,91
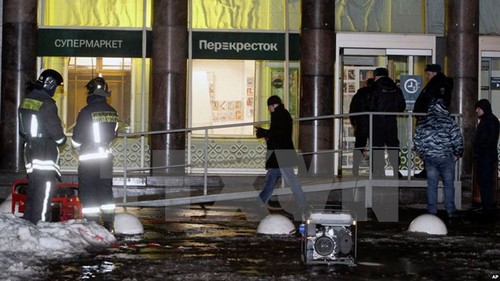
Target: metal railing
338,149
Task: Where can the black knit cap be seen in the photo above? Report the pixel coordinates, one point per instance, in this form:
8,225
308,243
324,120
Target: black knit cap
381,71
274,100
433,68
485,105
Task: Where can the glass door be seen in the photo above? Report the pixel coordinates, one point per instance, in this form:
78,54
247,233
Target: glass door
406,68
490,80
489,72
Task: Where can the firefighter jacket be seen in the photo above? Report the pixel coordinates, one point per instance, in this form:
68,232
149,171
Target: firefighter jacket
96,127
41,128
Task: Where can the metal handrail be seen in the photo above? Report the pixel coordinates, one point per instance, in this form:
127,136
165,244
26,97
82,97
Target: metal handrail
408,115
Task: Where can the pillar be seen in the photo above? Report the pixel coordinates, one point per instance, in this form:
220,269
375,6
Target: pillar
168,103
19,52
317,45
462,64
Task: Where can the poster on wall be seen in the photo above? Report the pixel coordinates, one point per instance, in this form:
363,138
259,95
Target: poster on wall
250,98
227,111
223,110
277,87
223,93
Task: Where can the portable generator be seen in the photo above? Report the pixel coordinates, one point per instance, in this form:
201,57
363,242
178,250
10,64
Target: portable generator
329,238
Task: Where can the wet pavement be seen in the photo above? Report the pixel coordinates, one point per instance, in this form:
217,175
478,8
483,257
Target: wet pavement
204,242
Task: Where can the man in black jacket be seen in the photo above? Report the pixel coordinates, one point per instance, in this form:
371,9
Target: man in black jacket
360,103
96,127
486,154
281,155
386,97
438,87
41,129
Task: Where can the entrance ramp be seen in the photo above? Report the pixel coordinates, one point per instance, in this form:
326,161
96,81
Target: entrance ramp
308,186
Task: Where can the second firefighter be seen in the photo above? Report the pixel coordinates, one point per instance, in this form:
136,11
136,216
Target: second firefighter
95,129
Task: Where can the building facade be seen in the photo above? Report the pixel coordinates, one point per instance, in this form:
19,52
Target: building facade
235,54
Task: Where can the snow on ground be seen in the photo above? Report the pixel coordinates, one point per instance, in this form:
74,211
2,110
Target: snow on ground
48,239
24,245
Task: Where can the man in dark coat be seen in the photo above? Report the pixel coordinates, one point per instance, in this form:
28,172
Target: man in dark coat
281,155
41,129
386,97
360,103
96,127
486,153
438,87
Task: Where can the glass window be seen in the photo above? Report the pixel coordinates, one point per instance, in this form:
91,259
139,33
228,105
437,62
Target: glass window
116,72
239,14
398,16
490,88
123,75
223,93
294,15
95,13
236,91
116,63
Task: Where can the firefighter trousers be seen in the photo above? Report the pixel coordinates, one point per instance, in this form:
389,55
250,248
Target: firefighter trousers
41,188
95,178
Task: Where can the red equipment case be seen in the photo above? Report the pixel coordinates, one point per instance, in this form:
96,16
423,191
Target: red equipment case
65,200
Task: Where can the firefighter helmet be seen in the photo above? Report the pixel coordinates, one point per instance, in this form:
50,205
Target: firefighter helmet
48,80
99,87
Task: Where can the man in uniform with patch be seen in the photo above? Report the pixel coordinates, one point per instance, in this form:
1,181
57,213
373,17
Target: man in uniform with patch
95,129
41,129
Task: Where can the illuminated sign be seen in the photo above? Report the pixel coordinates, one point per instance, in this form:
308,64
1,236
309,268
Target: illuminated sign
411,85
495,83
243,45
60,42
65,42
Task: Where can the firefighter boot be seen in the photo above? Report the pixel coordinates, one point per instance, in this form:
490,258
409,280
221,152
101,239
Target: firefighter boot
108,221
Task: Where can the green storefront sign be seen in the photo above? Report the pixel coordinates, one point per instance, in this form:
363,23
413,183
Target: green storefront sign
128,43
241,45
89,43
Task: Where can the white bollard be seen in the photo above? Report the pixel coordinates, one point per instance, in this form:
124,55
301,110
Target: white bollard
127,224
429,224
276,224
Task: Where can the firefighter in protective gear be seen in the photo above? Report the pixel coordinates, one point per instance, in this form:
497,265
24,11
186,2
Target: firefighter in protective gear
96,127
41,129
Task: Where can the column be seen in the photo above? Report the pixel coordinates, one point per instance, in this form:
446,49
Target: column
19,41
462,64
168,103
317,43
